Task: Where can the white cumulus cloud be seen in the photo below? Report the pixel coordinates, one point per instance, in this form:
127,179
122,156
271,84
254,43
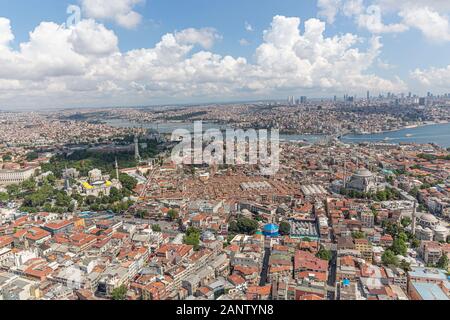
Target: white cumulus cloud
204,37
431,17
432,24
82,65
119,11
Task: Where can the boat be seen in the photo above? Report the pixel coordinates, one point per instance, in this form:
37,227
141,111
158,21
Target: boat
408,135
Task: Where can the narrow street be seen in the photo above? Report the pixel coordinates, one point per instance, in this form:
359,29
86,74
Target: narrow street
331,284
265,267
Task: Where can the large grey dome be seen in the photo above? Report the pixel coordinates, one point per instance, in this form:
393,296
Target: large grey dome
429,218
363,173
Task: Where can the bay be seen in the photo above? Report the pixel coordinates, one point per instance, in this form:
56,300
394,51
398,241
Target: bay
433,133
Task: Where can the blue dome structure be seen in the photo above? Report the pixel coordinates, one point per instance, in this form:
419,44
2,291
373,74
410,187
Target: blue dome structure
271,230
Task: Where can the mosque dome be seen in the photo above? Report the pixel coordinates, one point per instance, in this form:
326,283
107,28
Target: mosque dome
363,173
427,217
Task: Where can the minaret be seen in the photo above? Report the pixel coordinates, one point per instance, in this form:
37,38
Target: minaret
117,170
66,180
345,174
136,149
413,224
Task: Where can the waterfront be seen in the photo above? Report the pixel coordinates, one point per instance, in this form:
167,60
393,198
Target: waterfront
435,133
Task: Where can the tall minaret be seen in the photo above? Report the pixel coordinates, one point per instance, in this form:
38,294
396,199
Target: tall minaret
345,174
136,148
117,170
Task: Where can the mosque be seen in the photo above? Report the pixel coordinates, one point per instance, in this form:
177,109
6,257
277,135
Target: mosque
363,181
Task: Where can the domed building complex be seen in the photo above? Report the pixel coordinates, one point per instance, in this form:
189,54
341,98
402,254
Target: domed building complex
427,220
429,228
363,181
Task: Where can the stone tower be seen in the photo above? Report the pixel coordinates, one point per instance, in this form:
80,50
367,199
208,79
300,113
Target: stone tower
136,149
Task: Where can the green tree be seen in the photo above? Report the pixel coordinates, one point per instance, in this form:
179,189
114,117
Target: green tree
32,156
62,199
141,213
405,266
4,196
358,235
247,226
443,262
12,190
29,185
192,237
399,247
115,195
172,215
156,228
414,192
324,254
128,182
285,228
406,221
415,243
119,293
389,258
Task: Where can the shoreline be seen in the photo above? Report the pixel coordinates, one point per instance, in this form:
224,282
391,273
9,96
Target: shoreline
399,129
290,133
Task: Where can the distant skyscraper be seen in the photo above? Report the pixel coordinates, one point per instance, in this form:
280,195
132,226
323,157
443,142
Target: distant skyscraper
303,99
368,95
422,101
291,100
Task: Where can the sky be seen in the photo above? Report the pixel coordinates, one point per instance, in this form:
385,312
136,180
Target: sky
102,53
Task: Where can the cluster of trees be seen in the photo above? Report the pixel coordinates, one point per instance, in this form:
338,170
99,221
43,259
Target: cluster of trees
172,215
431,157
105,203
443,262
32,156
156,228
4,196
390,259
45,196
358,235
84,161
192,237
128,183
384,195
243,225
119,293
42,195
400,243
